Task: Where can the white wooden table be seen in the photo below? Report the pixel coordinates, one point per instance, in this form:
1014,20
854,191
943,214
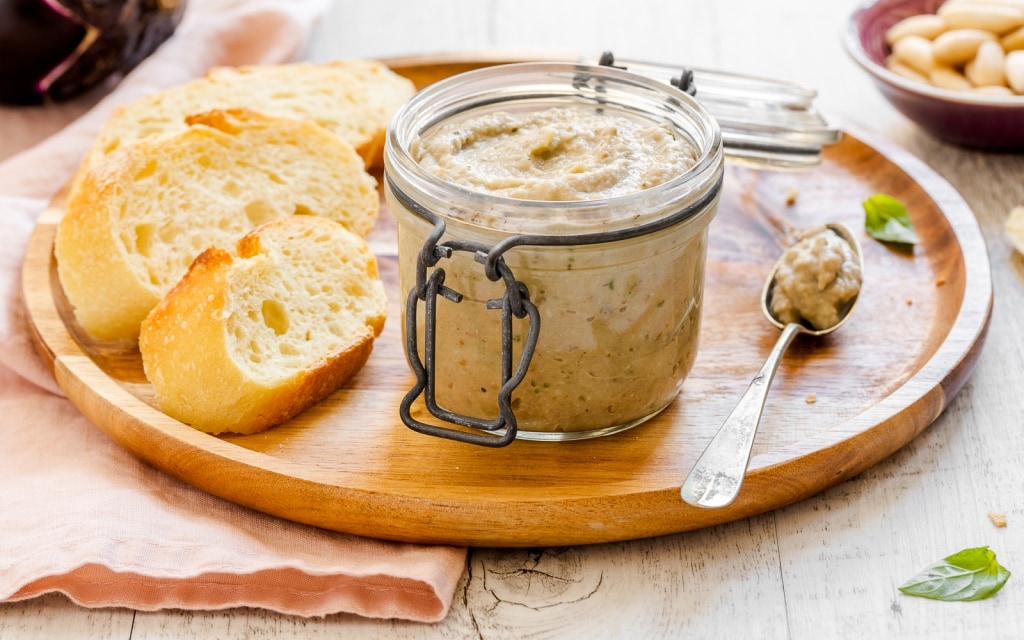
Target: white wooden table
828,567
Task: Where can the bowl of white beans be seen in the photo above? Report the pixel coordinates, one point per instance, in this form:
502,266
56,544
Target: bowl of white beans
956,68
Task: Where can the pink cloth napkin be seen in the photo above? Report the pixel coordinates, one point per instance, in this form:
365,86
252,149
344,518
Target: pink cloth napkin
81,516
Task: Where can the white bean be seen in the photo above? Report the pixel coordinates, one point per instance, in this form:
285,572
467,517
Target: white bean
959,45
903,70
987,67
915,52
1014,225
926,25
949,78
1014,70
994,90
987,16
1013,40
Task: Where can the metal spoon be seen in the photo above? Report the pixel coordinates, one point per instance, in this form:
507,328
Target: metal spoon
716,478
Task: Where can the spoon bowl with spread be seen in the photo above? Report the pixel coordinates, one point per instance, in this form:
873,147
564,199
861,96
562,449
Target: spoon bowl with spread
812,289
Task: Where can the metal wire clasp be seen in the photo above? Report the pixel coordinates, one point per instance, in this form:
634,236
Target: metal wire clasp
683,82
515,303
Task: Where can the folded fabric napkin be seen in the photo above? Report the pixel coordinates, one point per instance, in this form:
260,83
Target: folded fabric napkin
83,517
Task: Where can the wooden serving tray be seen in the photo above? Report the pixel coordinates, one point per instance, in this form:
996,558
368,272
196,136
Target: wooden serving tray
348,464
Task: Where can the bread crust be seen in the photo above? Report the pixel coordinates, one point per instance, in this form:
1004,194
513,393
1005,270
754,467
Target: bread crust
92,263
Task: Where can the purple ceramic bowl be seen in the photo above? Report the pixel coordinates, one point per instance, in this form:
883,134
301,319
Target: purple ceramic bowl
966,119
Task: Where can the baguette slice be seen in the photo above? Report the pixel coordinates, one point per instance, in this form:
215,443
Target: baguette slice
141,216
354,99
241,344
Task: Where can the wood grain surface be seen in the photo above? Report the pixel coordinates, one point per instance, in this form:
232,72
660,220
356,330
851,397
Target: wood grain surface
349,464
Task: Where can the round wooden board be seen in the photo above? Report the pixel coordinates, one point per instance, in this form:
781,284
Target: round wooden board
348,464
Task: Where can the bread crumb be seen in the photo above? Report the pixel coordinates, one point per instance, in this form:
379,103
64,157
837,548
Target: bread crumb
910,301
811,398
940,281
791,196
998,519
1015,228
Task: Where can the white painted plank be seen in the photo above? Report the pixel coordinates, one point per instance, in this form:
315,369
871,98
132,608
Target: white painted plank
54,617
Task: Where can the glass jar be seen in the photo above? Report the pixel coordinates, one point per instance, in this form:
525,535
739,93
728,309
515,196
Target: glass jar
549,320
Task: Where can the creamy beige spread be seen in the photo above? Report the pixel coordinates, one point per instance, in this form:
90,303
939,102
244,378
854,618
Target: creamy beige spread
619,331
557,154
816,279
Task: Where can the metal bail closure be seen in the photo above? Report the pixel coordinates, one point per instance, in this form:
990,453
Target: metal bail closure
683,82
515,303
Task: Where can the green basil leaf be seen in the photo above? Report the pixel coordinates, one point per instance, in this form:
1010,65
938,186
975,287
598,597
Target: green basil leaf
971,574
886,219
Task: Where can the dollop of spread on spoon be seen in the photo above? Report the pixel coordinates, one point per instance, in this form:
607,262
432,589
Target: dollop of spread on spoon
816,280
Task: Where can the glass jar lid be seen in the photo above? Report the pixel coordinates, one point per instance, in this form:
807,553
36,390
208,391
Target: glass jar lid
765,122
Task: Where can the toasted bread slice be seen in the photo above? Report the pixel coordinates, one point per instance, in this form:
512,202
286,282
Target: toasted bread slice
353,99
241,344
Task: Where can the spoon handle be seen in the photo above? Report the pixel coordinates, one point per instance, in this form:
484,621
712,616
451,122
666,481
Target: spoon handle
718,474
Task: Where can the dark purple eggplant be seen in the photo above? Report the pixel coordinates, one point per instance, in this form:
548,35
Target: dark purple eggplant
52,50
